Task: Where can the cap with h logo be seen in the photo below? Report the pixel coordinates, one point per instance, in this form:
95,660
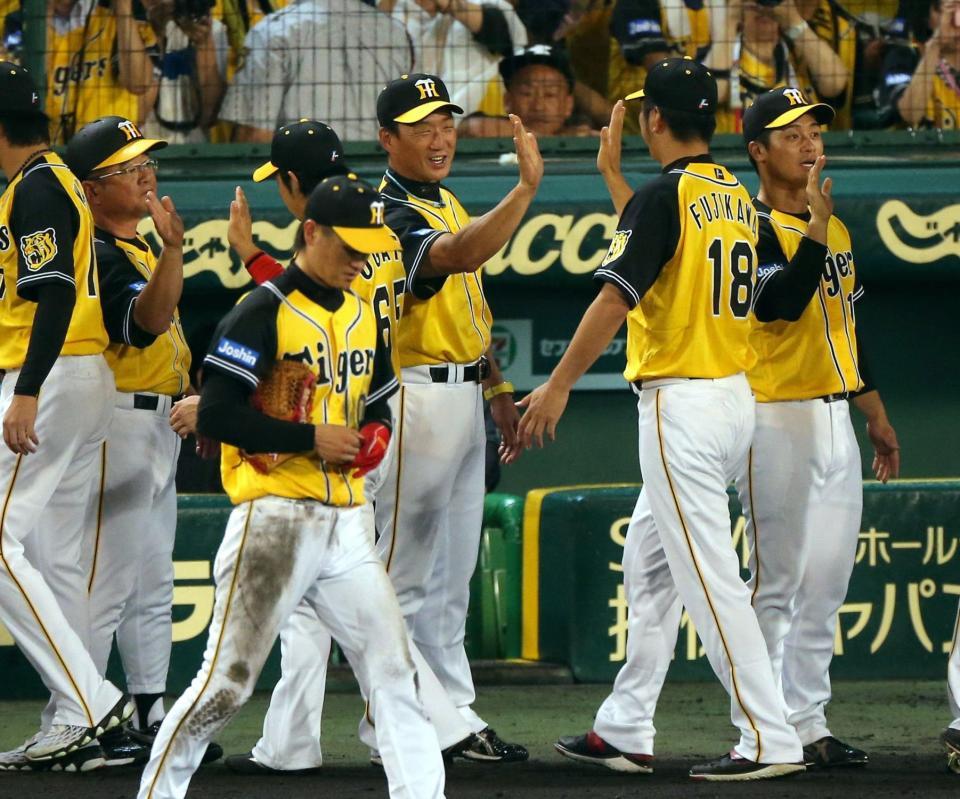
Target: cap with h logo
18,95
107,141
680,84
305,147
779,108
546,54
354,209
413,97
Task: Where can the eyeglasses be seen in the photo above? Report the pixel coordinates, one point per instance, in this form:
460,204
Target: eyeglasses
150,163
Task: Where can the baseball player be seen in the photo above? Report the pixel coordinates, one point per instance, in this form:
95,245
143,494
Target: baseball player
299,529
680,271
52,337
951,735
132,516
430,508
801,489
302,154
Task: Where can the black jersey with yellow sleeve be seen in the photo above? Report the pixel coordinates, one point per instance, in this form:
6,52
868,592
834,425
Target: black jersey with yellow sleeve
446,319
46,235
817,354
140,361
683,257
291,317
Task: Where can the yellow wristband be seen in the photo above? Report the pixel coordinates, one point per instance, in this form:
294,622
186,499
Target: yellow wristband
506,387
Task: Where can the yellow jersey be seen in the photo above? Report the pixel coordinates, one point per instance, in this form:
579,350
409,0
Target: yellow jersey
447,319
82,66
46,234
683,257
140,361
291,317
816,355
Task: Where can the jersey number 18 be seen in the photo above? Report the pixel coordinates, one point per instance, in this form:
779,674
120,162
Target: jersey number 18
738,263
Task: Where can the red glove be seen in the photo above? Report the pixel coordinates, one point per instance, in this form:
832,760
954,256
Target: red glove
375,437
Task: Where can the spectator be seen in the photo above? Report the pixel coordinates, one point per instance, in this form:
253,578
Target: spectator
539,90
463,41
316,58
766,47
192,64
923,88
97,64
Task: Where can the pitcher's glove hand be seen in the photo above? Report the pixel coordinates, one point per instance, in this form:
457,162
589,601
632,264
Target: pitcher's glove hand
376,439
285,393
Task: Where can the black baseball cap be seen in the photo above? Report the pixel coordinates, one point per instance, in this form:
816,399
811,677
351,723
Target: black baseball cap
546,54
306,147
354,209
18,94
636,25
413,97
778,108
680,84
106,142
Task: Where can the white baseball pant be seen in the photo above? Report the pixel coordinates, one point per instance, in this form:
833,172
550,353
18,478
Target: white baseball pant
429,516
132,518
802,496
953,675
274,553
694,436
43,597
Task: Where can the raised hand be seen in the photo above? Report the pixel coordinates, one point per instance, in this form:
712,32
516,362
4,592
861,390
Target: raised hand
240,226
611,140
819,196
528,155
166,220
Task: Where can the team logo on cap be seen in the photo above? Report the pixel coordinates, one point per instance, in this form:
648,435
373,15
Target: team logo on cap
704,103
39,248
427,88
617,246
795,96
130,130
376,213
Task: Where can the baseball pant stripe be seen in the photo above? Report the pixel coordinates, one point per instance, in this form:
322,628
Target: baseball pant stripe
396,492
216,651
703,584
756,530
956,634
3,525
100,492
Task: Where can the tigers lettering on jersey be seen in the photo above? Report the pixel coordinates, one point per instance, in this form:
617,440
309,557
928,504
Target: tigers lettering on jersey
46,235
816,355
334,333
683,258
140,361
446,320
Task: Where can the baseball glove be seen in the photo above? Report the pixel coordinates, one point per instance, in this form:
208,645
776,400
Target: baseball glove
285,393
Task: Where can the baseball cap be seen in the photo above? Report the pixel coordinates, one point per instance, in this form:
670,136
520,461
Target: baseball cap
17,92
354,209
778,108
635,24
306,147
413,97
106,142
680,84
536,54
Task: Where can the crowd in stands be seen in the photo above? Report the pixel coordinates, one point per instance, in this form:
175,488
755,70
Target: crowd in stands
233,70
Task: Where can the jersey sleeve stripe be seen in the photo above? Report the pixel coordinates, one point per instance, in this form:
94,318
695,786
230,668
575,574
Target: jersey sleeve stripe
763,281
612,277
127,320
384,391
44,276
226,366
424,245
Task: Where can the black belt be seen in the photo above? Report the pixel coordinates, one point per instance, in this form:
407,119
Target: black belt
150,402
842,396
475,373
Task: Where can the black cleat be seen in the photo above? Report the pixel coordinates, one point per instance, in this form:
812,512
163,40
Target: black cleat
122,749
591,748
487,747
147,737
831,752
950,738
247,765
733,768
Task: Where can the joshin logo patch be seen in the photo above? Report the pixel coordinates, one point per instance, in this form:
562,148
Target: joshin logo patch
617,246
233,351
39,248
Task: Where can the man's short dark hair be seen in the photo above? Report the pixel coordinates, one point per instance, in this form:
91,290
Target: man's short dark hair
764,139
23,130
307,182
685,126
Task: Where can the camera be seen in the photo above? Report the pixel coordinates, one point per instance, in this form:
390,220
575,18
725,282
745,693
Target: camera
192,9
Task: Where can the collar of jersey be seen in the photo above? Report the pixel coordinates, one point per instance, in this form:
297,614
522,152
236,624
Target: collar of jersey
102,235
766,209
427,192
294,278
680,163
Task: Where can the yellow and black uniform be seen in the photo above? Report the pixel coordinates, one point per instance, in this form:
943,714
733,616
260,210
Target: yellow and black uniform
335,333
683,257
140,360
815,353
83,68
46,240
446,319
943,103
